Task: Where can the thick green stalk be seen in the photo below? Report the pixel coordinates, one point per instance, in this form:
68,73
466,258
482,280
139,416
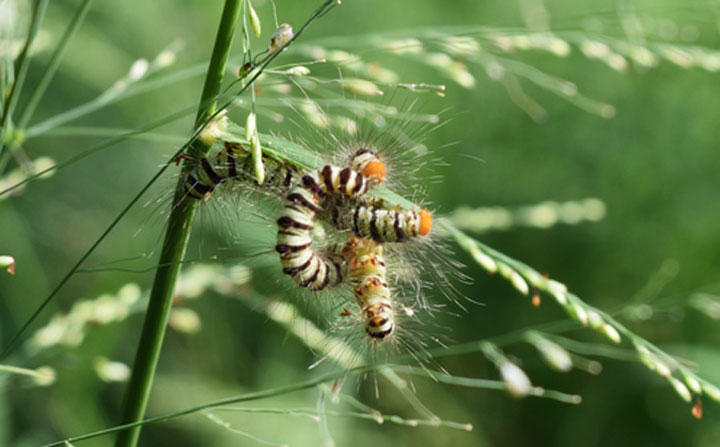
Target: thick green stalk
174,245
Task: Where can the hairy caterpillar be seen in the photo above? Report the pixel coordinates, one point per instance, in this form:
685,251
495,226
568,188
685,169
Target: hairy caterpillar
367,273
234,162
371,221
308,268
365,219
299,259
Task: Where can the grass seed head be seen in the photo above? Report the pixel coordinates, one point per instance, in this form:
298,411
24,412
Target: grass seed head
280,37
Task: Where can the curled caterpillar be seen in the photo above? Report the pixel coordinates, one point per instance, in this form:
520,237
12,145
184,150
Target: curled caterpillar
299,259
366,270
294,244
307,267
235,162
383,225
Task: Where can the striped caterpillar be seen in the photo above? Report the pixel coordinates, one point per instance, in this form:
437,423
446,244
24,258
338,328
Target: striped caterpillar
366,219
332,186
367,273
234,163
383,225
309,194
308,268
299,259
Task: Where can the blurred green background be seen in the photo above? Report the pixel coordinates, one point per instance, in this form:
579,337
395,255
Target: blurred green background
655,165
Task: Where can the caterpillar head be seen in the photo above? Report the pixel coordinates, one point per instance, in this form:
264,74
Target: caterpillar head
366,162
374,170
426,222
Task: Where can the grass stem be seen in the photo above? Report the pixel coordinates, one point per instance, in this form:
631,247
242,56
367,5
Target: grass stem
55,59
21,66
174,245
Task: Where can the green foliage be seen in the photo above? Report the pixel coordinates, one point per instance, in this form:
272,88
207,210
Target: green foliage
517,84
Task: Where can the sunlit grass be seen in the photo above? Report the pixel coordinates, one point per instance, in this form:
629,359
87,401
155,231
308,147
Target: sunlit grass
460,55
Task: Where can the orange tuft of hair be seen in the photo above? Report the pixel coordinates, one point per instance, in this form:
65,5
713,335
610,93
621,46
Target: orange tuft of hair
697,410
536,300
425,222
375,170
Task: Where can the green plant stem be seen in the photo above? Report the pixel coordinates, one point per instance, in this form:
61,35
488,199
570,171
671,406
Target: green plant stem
324,8
41,87
21,67
174,245
105,100
279,391
10,369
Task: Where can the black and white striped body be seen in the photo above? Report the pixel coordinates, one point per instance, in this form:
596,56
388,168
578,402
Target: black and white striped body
298,257
378,224
330,180
295,245
235,163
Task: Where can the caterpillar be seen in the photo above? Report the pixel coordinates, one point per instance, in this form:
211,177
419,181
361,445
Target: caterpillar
307,267
370,221
294,243
367,273
367,220
235,163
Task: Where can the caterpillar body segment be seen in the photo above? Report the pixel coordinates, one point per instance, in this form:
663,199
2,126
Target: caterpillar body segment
234,162
383,225
202,180
307,267
367,272
368,164
330,180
